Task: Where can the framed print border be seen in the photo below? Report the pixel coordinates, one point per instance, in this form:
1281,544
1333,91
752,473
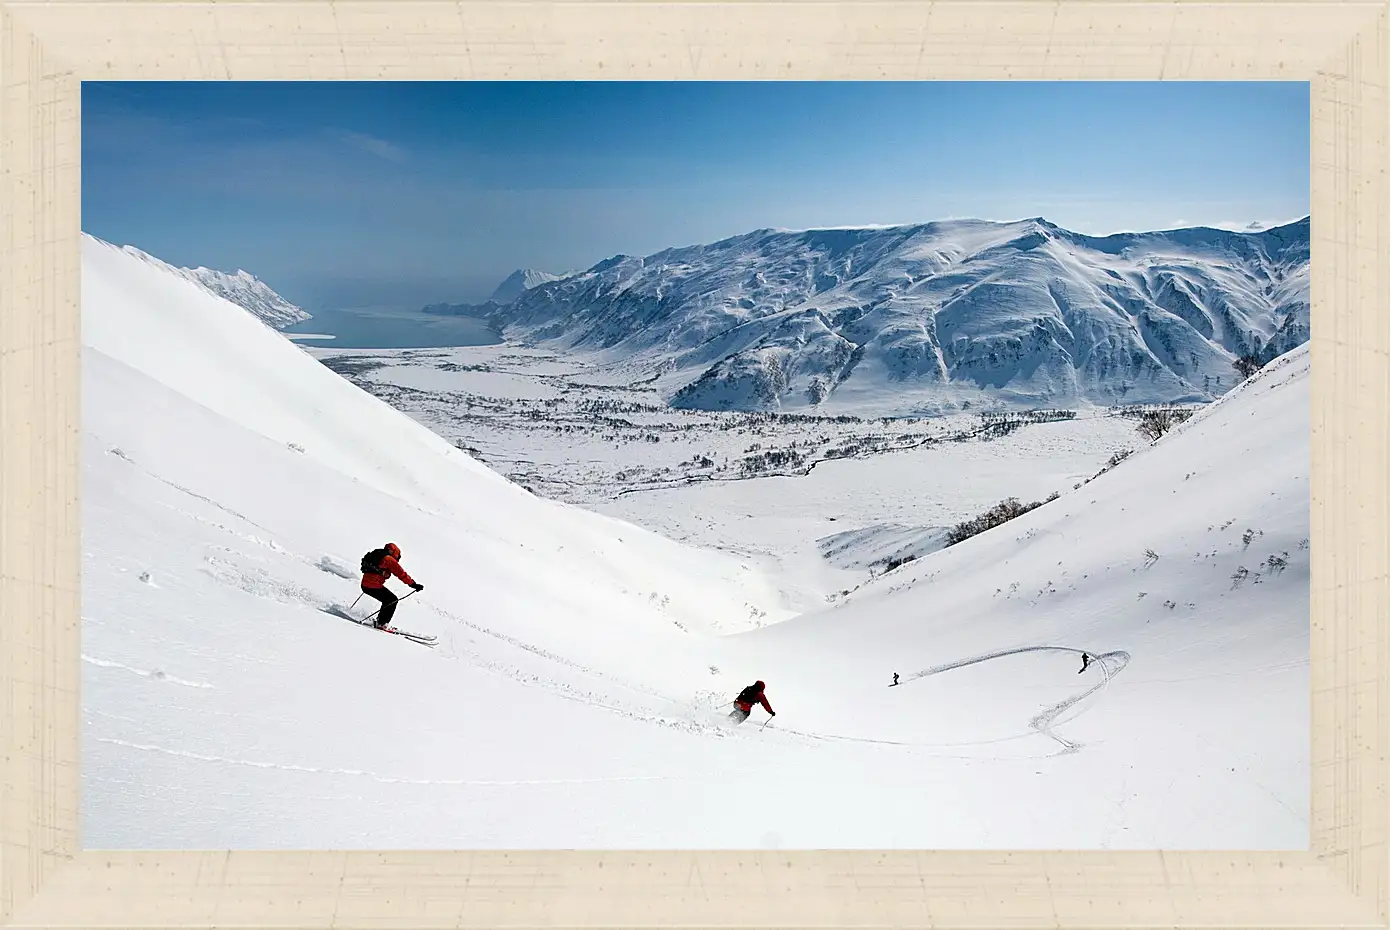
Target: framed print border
48,47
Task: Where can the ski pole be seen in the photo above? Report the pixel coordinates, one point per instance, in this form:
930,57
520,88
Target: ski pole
354,603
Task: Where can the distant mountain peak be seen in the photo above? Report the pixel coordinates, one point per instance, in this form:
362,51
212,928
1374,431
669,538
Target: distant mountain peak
519,282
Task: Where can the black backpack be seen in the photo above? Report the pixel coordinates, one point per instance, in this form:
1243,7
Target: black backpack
372,562
749,695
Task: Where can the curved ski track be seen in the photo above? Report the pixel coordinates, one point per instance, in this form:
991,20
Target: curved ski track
1111,663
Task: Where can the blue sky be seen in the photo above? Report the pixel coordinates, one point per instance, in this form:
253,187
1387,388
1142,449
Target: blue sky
400,194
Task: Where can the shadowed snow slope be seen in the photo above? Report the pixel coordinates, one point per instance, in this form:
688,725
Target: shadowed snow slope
231,483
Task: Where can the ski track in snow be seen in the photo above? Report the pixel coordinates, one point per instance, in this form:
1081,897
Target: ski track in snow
155,674
561,689
598,700
396,779
256,540
261,583
1042,723
294,592
178,487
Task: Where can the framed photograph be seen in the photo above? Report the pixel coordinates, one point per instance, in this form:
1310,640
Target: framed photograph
759,464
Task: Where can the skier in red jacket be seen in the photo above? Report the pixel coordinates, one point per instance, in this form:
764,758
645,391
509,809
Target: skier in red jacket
377,566
743,704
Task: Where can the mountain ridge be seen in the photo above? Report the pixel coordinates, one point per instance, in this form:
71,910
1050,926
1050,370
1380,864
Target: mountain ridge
933,317
241,288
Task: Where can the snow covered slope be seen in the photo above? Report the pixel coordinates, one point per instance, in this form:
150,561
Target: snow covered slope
572,700
243,289
368,471
1184,570
926,318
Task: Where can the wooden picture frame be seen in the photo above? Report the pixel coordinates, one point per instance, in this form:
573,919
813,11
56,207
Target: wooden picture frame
48,47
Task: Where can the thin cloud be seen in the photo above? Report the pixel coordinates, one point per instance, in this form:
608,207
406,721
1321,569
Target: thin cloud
379,147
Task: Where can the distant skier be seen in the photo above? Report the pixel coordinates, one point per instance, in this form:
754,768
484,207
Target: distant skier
743,704
1086,660
895,679
377,566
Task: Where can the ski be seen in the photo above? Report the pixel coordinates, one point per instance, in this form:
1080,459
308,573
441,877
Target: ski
421,638
339,611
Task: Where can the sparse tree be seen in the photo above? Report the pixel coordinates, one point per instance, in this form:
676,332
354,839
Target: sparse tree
1117,457
1247,365
1002,512
1156,423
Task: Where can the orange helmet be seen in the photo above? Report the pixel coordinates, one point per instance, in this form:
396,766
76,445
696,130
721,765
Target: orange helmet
393,550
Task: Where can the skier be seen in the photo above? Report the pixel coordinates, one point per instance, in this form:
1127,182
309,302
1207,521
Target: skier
1086,660
895,679
377,566
743,704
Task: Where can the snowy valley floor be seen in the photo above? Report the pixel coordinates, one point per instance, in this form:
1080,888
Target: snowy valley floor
822,503
231,482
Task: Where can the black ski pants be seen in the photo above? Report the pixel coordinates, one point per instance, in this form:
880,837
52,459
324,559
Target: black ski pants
388,604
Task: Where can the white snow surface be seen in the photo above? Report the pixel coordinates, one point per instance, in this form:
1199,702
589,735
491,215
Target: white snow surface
231,484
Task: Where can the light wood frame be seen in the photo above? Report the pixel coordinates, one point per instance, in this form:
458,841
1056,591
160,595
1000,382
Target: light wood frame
47,47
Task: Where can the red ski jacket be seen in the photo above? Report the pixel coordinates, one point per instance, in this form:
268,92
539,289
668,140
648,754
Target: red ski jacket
747,707
389,565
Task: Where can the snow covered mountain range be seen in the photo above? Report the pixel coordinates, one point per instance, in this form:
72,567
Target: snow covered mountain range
921,319
934,317
243,289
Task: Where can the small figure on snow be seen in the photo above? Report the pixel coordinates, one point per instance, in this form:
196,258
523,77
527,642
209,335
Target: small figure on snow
743,704
1086,660
377,566
895,679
